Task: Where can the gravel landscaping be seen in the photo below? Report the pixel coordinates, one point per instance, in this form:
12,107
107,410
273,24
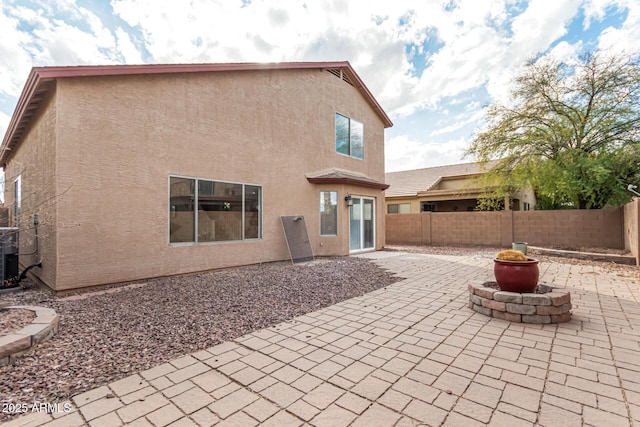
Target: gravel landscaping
107,335
12,320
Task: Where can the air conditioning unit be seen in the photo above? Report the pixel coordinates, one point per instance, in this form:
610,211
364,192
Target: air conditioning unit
8,252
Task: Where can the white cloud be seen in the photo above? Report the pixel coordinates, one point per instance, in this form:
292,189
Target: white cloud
565,52
542,23
62,34
127,48
623,39
480,47
4,121
4,124
464,45
221,31
404,153
534,30
465,120
16,60
596,10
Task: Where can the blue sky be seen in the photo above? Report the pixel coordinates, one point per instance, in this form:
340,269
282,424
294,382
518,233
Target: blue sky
432,64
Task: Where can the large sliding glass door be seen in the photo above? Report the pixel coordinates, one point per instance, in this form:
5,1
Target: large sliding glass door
362,224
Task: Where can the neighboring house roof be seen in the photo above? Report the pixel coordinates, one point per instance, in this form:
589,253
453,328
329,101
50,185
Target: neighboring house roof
339,176
412,182
42,79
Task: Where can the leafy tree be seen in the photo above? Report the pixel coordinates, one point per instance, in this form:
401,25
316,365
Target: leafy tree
572,132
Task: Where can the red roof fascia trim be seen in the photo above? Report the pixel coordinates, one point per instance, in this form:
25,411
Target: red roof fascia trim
352,181
112,70
30,87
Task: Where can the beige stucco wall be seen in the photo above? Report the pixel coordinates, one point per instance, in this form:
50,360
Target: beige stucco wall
35,162
525,196
443,205
460,183
567,228
446,201
119,139
414,202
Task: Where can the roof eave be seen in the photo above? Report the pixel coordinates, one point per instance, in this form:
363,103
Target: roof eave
35,90
400,196
114,70
452,192
347,180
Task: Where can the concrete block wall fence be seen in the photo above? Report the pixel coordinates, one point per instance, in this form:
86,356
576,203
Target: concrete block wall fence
615,228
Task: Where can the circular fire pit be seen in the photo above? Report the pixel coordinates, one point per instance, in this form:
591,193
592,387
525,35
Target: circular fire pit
547,305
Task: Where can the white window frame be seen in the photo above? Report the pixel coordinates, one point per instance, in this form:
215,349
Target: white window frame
337,219
350,129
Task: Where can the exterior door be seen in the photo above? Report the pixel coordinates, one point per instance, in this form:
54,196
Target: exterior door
362,224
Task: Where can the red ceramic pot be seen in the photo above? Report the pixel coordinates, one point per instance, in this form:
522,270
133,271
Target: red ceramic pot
516,276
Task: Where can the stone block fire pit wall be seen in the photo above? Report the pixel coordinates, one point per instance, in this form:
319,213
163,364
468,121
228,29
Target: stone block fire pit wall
548,305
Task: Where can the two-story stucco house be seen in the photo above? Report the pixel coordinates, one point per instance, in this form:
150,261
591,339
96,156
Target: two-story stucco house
451,188
138,171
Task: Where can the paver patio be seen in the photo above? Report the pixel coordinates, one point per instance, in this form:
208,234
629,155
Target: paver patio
410,354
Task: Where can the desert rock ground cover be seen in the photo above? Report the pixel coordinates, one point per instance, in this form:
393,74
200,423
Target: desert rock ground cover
14,320
105,336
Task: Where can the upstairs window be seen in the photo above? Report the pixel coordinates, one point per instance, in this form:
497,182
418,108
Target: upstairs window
349,137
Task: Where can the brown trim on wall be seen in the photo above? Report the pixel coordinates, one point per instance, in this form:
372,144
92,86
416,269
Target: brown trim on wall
352,181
